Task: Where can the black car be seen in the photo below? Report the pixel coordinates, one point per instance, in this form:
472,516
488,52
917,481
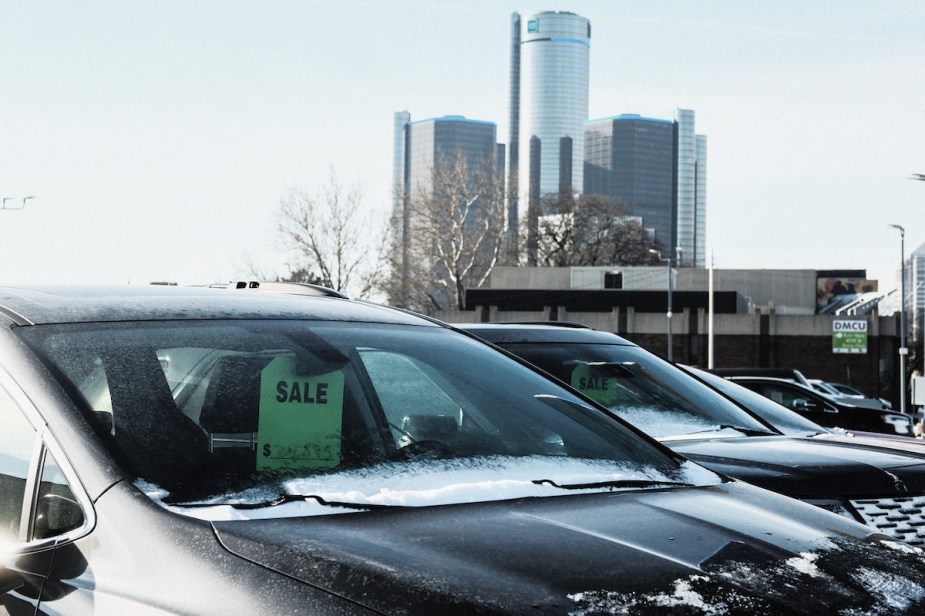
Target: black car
795,424
191,451
826,410
875,485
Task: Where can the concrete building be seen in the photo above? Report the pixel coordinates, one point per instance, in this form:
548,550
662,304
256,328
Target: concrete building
782,291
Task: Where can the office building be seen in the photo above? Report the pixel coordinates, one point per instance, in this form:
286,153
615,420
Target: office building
691,200
915,294
658,169
549,105
632,159
418,147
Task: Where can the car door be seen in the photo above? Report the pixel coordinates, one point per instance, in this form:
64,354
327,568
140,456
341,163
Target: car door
38,508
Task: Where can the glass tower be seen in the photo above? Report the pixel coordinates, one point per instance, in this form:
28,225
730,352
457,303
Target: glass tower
417,148
691,204
658,168
553,96
632,159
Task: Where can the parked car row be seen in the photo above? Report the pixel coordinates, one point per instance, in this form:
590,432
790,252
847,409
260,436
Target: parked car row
195,451
727,435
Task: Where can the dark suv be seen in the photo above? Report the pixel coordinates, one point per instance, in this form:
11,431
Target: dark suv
826,410
883,488
194,451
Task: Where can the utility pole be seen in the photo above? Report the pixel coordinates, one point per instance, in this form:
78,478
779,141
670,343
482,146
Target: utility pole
670,292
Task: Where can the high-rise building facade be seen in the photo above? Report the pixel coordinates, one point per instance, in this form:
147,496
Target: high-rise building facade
549,105
658,169
632,159
418,147
915,294
691,204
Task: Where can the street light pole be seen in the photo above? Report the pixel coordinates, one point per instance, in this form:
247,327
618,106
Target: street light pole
903,351
670,293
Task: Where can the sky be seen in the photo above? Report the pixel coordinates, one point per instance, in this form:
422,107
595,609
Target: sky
158,138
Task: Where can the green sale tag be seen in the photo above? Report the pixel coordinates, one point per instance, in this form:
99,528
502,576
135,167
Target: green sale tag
596,383
300,417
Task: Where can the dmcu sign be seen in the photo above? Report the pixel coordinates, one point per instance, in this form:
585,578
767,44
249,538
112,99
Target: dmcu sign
849,336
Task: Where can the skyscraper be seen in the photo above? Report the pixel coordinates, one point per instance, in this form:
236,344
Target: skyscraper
549,104
658,169
691,203
632,159
421,145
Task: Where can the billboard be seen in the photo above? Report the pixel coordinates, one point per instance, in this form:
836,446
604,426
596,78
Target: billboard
834,292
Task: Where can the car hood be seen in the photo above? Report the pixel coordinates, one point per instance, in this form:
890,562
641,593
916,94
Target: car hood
809,468
619,552
888,442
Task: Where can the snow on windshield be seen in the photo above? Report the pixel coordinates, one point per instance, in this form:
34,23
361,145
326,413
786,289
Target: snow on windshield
431,482
660,422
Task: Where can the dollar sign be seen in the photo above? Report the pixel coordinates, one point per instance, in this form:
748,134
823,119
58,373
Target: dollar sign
266,450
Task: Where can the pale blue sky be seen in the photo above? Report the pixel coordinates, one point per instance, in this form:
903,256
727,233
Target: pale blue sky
160,136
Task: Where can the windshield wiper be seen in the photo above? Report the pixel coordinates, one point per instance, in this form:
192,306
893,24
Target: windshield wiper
745,431
290,498
619,483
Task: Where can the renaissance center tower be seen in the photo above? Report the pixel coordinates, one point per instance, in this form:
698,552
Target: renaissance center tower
552,96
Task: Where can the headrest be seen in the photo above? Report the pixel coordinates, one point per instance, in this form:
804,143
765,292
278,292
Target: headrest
232,400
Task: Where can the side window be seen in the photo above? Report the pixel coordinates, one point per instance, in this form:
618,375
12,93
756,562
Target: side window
57,510
781,395
17,441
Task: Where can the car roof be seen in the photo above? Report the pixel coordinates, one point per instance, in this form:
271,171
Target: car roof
546,332
766,379
45,304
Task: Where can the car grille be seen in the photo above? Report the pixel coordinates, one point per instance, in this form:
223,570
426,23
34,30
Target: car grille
902,517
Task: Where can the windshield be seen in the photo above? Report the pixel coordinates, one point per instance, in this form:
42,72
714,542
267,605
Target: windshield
650,393
778,416
241,412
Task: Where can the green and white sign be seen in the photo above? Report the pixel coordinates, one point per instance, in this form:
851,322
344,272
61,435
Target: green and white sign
300,417
849,336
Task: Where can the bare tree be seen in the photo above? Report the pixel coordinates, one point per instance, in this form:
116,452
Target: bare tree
453,237
590,230
331,235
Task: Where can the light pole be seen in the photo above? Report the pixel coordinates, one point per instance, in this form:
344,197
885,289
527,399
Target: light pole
903,351
670,290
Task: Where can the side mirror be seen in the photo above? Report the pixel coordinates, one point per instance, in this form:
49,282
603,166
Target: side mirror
57,515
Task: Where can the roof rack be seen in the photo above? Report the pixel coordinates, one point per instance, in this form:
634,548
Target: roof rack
290,288
569,324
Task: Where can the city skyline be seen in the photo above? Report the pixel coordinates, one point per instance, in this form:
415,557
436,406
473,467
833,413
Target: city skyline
159,139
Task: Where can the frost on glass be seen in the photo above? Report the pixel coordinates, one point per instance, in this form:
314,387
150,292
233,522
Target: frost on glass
659,422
